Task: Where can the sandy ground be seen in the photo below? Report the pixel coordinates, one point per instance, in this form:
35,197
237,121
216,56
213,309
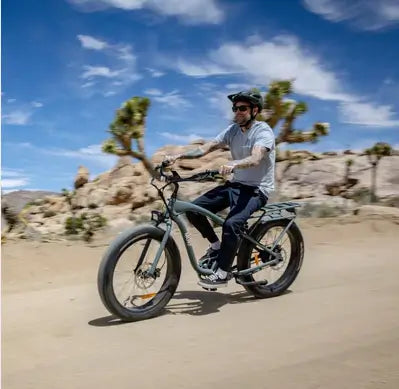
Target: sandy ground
338,327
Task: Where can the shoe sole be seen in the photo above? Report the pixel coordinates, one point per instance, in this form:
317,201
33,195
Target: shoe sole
212,287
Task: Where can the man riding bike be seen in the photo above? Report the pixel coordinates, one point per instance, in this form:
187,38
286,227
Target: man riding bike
252,146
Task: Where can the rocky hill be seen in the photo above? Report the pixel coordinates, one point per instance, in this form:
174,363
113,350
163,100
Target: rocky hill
124,195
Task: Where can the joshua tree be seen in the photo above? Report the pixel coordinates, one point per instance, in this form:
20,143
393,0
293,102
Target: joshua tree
129,126
374,154
277,108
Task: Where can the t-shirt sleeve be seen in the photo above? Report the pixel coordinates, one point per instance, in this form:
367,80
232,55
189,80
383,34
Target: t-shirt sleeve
265,138
225,136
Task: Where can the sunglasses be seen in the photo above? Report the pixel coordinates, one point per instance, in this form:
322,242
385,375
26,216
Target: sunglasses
241,108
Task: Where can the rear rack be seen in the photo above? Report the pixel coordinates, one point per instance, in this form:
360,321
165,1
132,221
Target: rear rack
276,211
280,206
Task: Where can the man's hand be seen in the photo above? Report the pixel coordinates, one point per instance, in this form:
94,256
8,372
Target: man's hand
171,159
227,169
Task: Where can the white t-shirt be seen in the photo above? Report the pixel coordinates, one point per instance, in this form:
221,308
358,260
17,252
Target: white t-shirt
241,144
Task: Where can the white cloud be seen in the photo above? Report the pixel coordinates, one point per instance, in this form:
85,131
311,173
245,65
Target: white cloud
222,104
99,71
188,11
21,113
90,153
284,58
364,14
388,81
119,73
13,178
87,84
13,182
12,173
368,114
204,69
11,100
172,99
153,92
155,73
280,58
124,52
180,138
88,42
17,117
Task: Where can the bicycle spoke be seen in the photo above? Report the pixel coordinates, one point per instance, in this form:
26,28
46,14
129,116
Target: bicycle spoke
273,272
133,286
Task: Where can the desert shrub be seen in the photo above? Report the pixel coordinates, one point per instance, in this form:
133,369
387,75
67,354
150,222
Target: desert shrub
73,225
86,225
361,195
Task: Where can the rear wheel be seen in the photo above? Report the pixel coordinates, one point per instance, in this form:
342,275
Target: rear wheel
280,275
125,283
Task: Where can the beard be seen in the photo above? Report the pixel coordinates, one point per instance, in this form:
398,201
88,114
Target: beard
241,120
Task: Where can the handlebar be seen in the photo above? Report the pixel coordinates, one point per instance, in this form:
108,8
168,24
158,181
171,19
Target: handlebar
175,177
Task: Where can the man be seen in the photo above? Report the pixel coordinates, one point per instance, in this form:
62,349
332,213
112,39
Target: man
252,147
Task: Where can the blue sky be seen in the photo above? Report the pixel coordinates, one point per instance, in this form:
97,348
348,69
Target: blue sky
69,64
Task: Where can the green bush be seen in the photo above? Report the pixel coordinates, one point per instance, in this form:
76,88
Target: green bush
85,225
73,225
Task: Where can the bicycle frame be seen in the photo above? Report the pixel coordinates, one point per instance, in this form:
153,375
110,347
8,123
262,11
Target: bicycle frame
178,208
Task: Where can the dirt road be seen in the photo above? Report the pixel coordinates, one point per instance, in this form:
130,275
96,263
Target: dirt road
338,327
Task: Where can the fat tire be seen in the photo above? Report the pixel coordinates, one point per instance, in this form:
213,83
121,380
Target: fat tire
294,265
111,258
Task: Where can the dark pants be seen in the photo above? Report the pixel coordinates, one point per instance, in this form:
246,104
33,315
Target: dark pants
243,200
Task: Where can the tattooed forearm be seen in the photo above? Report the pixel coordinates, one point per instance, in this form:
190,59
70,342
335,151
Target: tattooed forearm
199,151
245,163
258,153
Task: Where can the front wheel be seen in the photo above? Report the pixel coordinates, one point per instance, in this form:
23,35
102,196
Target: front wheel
126,285
281,275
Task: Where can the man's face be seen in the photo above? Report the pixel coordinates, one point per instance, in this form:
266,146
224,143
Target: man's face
242,112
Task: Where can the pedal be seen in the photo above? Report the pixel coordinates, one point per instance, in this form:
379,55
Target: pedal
260,283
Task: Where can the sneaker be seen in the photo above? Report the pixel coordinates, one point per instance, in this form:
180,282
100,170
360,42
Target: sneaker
213,281
209,258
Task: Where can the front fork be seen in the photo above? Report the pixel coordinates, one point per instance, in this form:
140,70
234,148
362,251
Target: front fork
157,218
